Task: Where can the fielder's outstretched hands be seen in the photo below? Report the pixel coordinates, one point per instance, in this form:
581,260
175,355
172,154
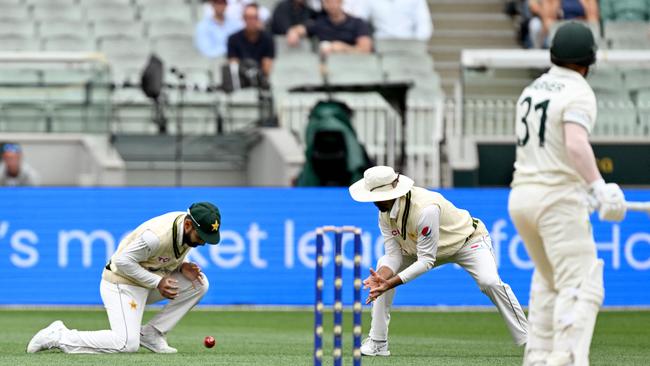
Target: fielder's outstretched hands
377,285
192,272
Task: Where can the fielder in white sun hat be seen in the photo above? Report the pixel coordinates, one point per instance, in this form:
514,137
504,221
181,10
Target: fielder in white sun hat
380,183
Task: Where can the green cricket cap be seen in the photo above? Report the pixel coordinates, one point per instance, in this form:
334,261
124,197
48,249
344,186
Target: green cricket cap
206,219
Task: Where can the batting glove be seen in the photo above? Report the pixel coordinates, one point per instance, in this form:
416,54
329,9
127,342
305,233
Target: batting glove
611,201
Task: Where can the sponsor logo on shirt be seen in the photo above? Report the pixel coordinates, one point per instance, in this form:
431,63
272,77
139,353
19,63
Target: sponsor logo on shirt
163,259
426,231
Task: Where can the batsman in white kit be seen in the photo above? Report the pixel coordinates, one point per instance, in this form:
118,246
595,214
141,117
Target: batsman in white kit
148,266
423,230
555,172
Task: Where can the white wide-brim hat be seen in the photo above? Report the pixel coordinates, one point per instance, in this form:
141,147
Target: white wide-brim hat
380,183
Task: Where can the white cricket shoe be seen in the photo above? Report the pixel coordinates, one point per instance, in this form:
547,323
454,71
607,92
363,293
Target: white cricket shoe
371,347
154,341
46,338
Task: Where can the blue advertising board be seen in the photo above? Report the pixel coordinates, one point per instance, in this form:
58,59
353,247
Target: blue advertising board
54,243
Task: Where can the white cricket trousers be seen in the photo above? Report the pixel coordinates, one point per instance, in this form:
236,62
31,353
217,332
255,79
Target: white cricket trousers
566,290
125,306
477,259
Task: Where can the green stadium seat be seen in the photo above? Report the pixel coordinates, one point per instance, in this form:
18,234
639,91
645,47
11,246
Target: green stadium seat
18,13
606,79
354,69
17,27
637,79
99,3
51,12
625,10
416,62
617,116
80,118
57,27
113,28
178,51
627,34
158,29
23,117
282,48
67,43
167,10
401,46
110,11
18,43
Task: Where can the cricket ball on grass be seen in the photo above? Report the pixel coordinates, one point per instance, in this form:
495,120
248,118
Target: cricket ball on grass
209,342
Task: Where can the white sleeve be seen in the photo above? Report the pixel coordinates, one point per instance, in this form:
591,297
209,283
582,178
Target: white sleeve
582,110
427,246
392,252
423,23
128,261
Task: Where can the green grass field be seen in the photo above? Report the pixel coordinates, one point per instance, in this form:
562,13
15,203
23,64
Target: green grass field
267,338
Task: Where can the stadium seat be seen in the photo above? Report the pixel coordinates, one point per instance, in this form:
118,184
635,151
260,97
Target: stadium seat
643,108
18,43
282,48
625,10
113,27
627,34
100,3
51,3
158,29
354,69
53,28
401,46
617,116
127,50
17,13
606,79
80,118
23,117
167,10
295,70
110,11
637,79
416,62
7,3
50,12
67,43
178,51
20,76
17,27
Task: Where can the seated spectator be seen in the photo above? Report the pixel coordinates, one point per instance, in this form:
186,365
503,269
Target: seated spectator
337,31
547,12
289,13
211,36
252,42
236,8
404,19
13,170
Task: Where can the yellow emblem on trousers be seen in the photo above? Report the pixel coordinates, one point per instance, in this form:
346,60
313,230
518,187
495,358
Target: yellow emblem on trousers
133,304
215,226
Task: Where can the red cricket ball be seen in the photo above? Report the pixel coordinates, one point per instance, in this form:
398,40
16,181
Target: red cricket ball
209,341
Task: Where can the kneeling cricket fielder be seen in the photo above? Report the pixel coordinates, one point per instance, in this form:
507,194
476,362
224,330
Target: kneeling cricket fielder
147,267
422,230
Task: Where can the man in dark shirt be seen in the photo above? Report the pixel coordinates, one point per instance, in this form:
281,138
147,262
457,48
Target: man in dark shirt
337,31
289,13
252,43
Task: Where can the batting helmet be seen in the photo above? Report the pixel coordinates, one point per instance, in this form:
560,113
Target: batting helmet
573,43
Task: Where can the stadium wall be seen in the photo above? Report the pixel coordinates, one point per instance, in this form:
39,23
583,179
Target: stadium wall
54,243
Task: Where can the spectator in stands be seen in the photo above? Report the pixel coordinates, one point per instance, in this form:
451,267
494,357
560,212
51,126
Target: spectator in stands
337,31
211,36
289,13
252,42
13,170
547,12
236,8
404,19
